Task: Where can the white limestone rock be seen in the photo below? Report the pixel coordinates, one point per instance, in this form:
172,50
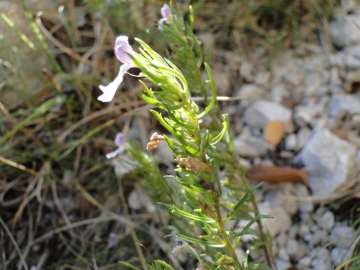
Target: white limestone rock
250,92
261,112
303,137
343,104
345,31
329,161
343,236
240,254
291,143
281,221
312,83
327,220
295,250
322,261
282,265
304,263
248,146
338,255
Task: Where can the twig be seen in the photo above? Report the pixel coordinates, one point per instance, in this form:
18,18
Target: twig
14,243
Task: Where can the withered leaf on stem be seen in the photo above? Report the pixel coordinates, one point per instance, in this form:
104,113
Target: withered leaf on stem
276,174
193,164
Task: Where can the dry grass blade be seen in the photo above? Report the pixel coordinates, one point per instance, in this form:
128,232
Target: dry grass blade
17,166
13,241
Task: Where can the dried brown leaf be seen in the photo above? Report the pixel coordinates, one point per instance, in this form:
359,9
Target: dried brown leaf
276,174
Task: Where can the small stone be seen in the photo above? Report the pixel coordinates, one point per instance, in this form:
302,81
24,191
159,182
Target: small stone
338,255
312,83
338,60
295,250
351,62
282,265
283,254
274,196
327,220
330,162
291,142
334,77
345,31
222,81
281,221
133,201
263,78
246,70
278,93
248,146
341,105
250,92
304,263
322,260
343,236
293,232
304,232
240,254
281,239
274,250
304,115
261,112
354,51
303,137
292,247
318,238
286,154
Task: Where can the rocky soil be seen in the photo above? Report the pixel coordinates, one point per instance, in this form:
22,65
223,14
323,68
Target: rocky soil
315,91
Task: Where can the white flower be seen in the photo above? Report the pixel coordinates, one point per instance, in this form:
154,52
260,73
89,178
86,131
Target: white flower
122,51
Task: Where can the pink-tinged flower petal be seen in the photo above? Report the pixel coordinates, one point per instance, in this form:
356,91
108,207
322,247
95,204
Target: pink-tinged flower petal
120,142
166,12
112,239
120,139
110,89
123,49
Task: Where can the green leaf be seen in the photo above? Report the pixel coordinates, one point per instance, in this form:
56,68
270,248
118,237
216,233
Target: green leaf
159,117
200,242
162,265
194,188
152,101
149,51
129,265
171,145
246,196
188,215
204,141
221,134
213,92
259,216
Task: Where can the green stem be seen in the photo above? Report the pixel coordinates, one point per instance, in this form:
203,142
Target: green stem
261,230
220,221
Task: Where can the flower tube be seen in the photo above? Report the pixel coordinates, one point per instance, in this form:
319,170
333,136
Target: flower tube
122,52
